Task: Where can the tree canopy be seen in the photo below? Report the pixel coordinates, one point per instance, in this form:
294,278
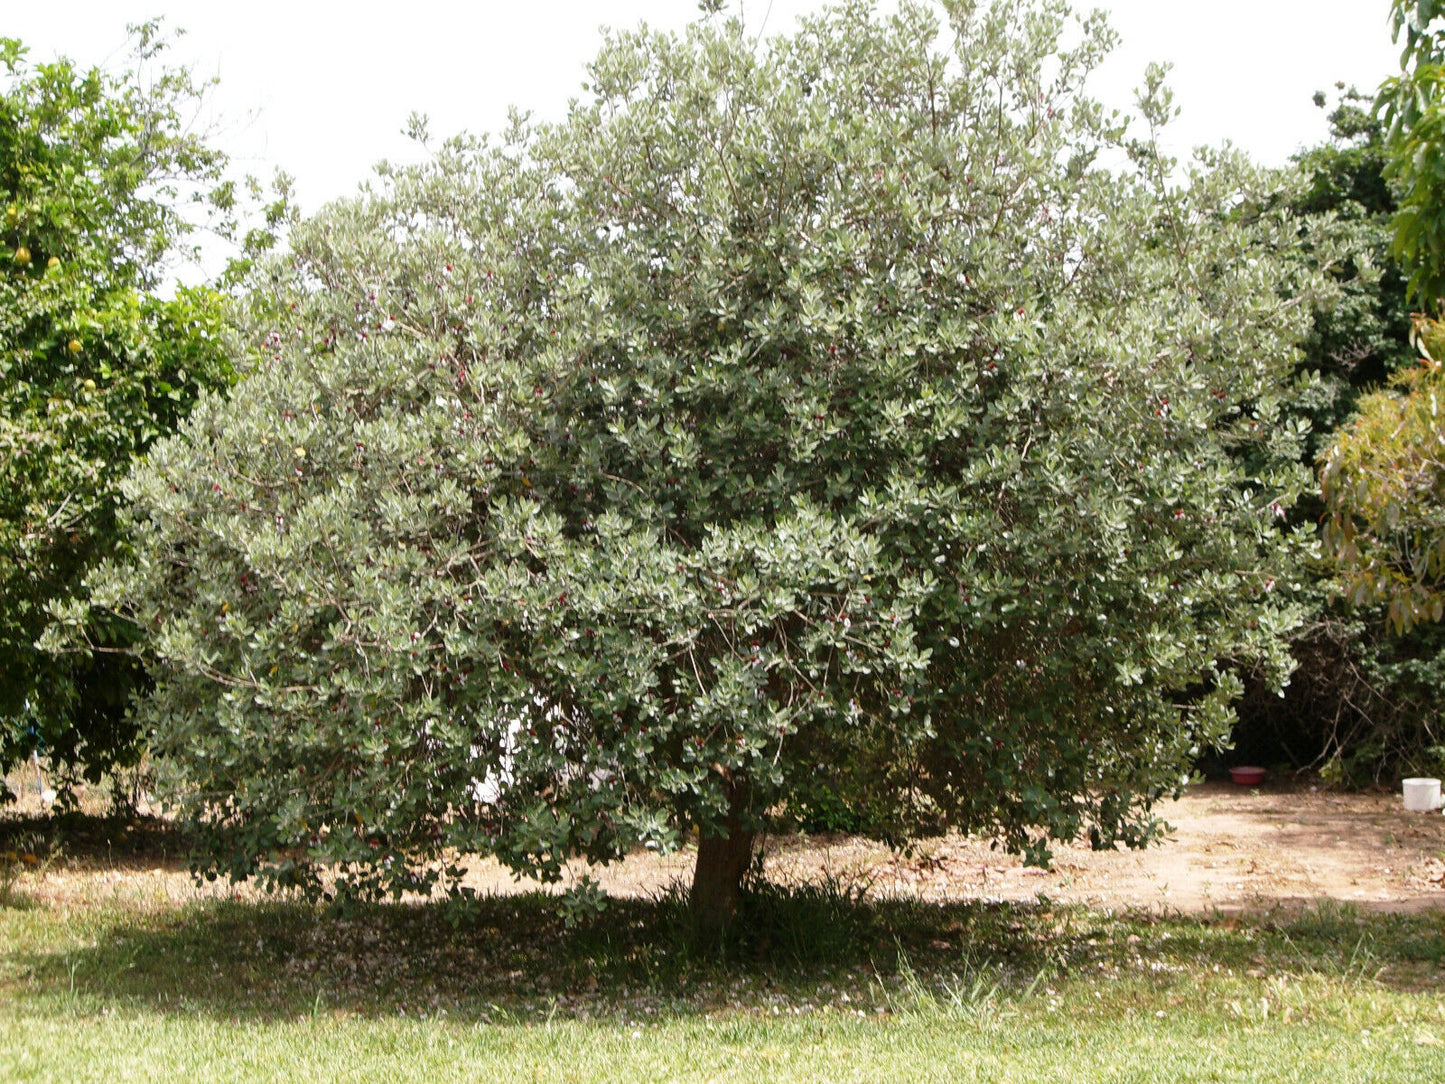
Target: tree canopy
1360,334
95,172
1384,481
1347,705
1413,107
1381,477
863,415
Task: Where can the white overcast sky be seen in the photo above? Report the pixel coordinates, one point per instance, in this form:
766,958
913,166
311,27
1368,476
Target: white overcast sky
323,89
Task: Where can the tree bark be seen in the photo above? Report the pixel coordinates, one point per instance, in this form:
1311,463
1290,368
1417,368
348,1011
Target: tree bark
717,879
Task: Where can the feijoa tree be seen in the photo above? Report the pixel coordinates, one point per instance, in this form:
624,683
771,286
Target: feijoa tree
865,414
96,169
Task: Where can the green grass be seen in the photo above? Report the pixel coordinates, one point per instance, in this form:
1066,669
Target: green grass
817,986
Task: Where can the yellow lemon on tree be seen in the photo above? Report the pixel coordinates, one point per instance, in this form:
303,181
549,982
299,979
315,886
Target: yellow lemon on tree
22,255
74,346
53,262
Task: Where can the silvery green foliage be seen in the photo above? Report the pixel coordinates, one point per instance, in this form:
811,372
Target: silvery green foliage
868,412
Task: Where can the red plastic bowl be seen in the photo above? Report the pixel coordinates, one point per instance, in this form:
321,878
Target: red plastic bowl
1248,776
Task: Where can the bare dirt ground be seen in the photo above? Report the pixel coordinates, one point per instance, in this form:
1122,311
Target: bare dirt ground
1232,849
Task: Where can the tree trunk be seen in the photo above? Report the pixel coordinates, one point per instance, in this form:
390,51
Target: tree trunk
717,880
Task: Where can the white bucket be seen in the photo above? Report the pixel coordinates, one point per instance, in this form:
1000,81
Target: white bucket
1421,795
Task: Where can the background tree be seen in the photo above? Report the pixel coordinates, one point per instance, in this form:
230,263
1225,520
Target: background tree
1384,479
95,170
1413,107
1357,702
1385,492
1362,336
1379,474
867,414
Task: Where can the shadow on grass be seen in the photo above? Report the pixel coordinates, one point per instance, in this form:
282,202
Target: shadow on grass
513,958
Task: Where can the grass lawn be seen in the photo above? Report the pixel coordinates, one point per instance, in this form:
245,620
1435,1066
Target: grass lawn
119,982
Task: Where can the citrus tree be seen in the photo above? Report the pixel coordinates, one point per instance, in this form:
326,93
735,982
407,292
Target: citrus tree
865,417
94,171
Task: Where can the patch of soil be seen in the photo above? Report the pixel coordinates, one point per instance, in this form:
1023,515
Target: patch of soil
1231,849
